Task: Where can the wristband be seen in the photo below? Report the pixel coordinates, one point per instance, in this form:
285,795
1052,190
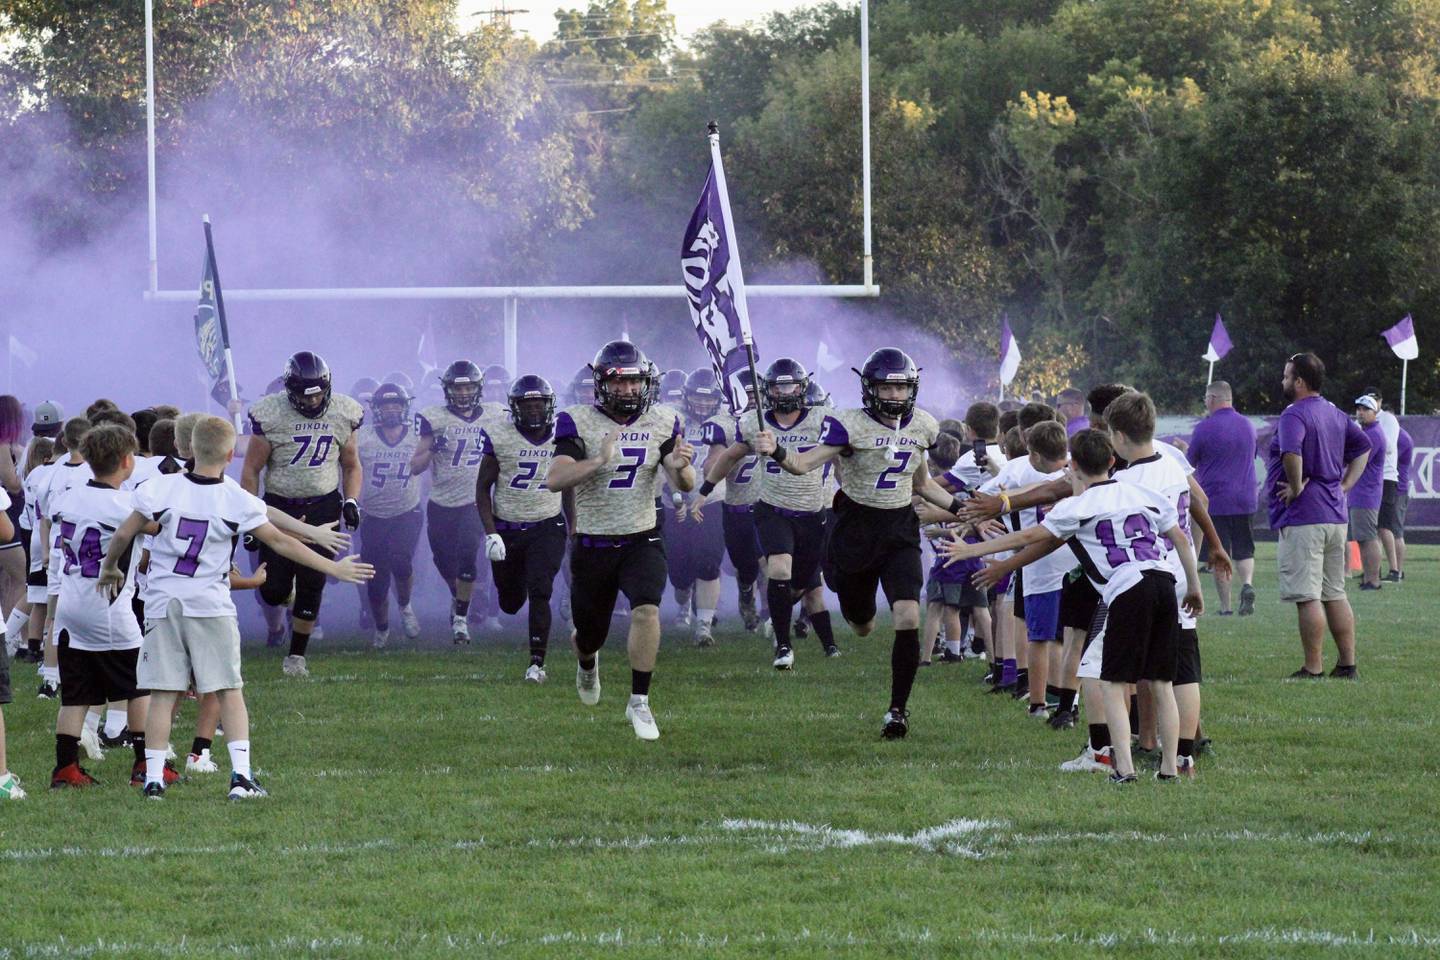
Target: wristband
1005,503
779,455
955,506
706,488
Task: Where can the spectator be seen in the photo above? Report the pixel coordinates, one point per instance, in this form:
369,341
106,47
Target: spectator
1316,455
1404,456
1390,426
1222,449
1367,494
1070,405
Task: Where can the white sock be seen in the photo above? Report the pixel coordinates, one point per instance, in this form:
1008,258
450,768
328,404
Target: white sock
154,766
240,757
15,623
92,720
115,720
953,646
706,617
639,698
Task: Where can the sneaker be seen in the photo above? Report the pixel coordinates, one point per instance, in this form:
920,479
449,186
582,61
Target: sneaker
784,658
459,630
48,690
637,711
1038,711
1247,600
294,666
704,634
1021,691
245,788
587,683
154,791
802,625
1394,576
1303,674
200,763
121,739
1341,671
832,651
1063,720
946,656
409,623
71,775
1121,779
1185,767
1168,777
171,775
381,638
897,724
1370,586
1090,761
90,743
535,673
10,788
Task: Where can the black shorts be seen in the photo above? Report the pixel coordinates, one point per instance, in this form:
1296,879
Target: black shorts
800,535
92,677
694,551
35,578
16,541
283,575
534,553
1018,601
455,535
870,548
389,543
5,695
741,544
1078,600
602,568
1236,534
1393,506
1187,667
1142,632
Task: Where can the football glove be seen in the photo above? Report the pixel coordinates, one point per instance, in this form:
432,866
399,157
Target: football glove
350,510
494,547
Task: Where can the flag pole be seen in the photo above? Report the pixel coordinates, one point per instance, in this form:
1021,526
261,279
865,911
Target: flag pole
1211,378
220,313
1404,373
712,134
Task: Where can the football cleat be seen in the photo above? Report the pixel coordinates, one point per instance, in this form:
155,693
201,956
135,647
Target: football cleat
71,775
948,656
637,711
459,630
1090,760
535,673
171,775
704,634
1063,720
897,724
587,683
381,639
48,691
90,743
784,658
1038,711
832,651
10,788
201,763
244,788
409,622
154,791
121,739
1122,779
294,666
1247,600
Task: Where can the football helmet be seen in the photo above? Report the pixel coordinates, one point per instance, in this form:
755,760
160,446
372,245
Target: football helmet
620,361
532,403
702,395
582,387
498,379
307,383
816,395
391,405
672,388
364,389
462,383
401,380
889,366
785,383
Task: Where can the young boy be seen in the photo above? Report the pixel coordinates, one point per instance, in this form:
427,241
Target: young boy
196,519
1116,530
947,588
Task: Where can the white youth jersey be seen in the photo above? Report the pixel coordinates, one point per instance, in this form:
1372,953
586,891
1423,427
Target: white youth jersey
389,488
1047,573
87,517
65,476
1117,530
35,481
879,470
146,468
966,475
520,494
201,520
1163,475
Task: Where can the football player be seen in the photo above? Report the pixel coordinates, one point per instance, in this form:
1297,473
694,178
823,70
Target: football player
391,502
695,541
741,490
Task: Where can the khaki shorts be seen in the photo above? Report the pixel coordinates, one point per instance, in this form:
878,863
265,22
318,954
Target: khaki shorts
1312,562
178,648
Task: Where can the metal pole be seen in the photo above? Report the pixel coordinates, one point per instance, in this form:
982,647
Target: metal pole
150,139
1211,378
512,334
618,292
1404,374
869,261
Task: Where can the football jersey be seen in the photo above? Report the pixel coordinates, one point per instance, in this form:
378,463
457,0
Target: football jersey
1047,573
304,451
520,494
742,486
35,481
619,498
455,468
87,517
779,487
1164,475
1117,530
201,520
880,470
389,489
146,468
965,475
65,476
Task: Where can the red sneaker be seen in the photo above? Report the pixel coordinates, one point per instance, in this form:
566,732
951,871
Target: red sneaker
137,774
71,775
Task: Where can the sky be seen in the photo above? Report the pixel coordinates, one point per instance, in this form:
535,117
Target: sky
690,15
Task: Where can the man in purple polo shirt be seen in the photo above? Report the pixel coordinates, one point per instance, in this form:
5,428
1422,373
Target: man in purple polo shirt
1222,450
1316,455
1070,407
1404,456
1365,497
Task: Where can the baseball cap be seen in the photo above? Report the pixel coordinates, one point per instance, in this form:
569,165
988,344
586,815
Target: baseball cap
1368,402
48,414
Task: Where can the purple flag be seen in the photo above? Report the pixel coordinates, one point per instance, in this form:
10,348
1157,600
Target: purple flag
1401,338
1219,341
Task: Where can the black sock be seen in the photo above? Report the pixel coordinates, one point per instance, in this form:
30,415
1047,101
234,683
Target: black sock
539,616
587,663
1099,736
782,604
640,682
747,592
1067,698
67,750
823,631
34,645
460,608
197,746
904,662
977,644
1187,747
1022,677
298,642
137,744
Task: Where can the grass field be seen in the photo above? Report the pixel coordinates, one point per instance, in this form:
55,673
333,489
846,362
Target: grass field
429,804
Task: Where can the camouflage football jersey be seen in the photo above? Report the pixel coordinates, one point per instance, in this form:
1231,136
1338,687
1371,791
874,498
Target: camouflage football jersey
455,468
520,492
779,487
619,498
881,468
304,451
389,489
741,485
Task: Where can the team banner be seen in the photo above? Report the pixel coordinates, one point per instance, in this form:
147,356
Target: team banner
715,285
212,335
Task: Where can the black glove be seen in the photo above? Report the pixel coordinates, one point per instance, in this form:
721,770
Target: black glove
350,510
438,443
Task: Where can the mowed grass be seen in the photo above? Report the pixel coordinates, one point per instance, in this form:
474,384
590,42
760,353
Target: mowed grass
430,804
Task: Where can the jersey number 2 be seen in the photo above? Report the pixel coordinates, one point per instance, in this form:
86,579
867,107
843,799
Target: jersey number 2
889,479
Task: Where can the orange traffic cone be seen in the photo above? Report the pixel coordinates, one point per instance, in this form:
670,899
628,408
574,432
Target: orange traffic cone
1353,564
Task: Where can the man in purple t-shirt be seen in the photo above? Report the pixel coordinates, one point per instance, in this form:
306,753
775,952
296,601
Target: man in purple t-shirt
1316,455
1222,450
1070,408
1365,497
1404,456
